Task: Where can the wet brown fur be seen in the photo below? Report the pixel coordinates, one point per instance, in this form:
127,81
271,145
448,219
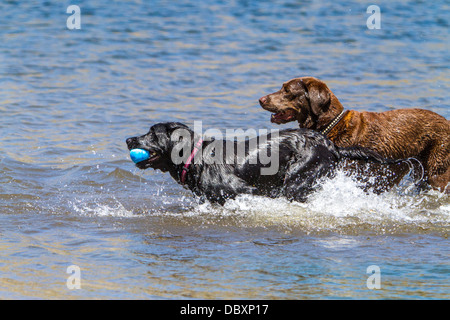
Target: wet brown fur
395,134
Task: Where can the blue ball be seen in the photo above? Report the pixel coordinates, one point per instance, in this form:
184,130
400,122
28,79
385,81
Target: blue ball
138,155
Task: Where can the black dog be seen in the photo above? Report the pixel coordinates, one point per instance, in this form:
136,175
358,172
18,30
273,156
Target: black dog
303,157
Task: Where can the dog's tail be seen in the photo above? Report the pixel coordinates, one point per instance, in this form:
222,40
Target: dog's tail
361,153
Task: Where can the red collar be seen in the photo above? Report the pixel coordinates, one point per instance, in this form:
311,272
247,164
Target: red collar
189,160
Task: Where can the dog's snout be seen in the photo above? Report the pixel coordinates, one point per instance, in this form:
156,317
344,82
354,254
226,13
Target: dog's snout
131,142
263,100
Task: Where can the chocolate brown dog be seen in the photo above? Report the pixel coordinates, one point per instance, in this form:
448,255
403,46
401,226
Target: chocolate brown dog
396,134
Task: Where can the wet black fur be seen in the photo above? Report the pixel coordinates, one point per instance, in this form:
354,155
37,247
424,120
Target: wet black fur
305,156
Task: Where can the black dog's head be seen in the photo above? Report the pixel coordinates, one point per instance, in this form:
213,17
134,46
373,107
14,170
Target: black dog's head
159,142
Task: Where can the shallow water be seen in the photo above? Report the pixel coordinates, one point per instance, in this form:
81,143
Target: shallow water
69,194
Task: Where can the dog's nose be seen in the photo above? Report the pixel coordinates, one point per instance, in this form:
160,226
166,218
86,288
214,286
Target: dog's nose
262,100
129,141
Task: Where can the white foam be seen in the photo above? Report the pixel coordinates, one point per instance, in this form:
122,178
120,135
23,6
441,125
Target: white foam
338,203
446,208
115,209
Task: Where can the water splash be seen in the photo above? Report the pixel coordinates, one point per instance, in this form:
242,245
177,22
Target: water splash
340,205
112,209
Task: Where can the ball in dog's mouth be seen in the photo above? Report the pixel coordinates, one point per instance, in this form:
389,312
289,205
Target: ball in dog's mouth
139,155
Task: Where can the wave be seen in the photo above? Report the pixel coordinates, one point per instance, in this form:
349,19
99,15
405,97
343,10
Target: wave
340,205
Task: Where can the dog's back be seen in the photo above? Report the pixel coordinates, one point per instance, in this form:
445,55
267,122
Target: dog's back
285,163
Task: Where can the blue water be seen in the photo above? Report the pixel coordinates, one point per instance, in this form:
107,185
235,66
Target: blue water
70,195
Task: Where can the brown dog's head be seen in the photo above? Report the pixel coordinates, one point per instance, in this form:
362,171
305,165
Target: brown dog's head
307,100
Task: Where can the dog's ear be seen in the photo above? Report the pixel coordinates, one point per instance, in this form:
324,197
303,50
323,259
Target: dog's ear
163,132
165,129
182,131
318,95
175,125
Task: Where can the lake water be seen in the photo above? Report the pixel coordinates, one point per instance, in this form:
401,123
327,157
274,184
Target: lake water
70,195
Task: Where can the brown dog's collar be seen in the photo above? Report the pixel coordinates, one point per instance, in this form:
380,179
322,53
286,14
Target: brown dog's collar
334,122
